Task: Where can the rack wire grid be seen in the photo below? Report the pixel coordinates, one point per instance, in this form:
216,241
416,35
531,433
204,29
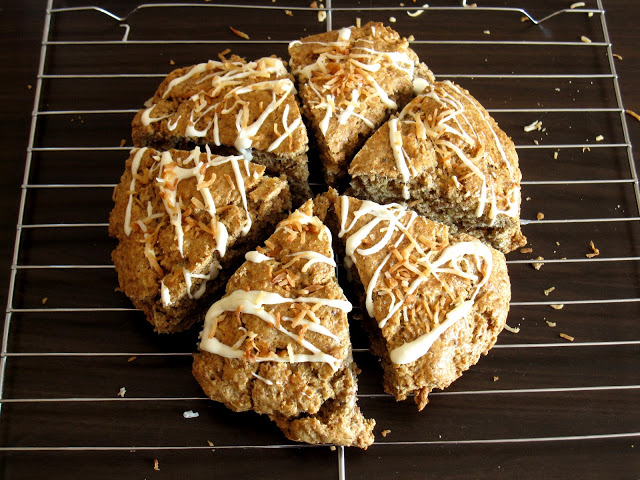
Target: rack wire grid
538,404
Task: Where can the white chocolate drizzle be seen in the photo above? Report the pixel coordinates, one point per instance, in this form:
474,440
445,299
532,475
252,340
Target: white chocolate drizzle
349,60
454,260
450,131
253,303
219,89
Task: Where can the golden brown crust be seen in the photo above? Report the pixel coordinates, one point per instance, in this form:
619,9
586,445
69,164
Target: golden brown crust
437,129
394,269
342,77
208,108
150,256
309,400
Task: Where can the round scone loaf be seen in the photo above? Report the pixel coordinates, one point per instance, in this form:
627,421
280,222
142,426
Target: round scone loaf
446,158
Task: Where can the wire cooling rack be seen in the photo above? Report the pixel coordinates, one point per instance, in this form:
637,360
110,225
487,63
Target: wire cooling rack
88,389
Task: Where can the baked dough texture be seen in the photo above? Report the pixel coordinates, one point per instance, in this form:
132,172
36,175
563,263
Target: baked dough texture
350,81
446,157
278,342
234,107
433,302
182,220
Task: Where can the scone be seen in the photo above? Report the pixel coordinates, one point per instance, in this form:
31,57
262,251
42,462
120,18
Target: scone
278,342
434,302
235,107
183,219
350,81
448,160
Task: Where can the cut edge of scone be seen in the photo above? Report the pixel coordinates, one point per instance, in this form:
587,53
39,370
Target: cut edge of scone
446,157
233,106
433,302
278,342
350,81
183,219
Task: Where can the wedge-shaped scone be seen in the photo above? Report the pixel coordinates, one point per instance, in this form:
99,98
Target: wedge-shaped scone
235,107
183,219
447,158
278,341
350,81
435,302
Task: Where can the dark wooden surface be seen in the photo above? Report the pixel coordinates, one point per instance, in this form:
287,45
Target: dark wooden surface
546,386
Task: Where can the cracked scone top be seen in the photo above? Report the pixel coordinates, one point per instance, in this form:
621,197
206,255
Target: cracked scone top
249,107
350,80
447,158
181,219
435,302
278,341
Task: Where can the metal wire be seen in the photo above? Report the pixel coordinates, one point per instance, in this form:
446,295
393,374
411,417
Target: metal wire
28,186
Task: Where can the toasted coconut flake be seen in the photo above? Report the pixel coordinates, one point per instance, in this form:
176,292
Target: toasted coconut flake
156,465
551,324
577,5
632,113
239,33
511,329
384,433
566,337
549,290
538,265
585,39
595,253
558,306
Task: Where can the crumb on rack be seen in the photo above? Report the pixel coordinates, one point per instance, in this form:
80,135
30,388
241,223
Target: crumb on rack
511,329
156,465
595,253
314,4
495,379
332,448
487,32
555,155
190,414
540,216
526,250
358,22
172,62
123,142
537,125
585,149
551,324
131,359
122,392
210,443
29,86
44,300
549,290
538,265
239,33
392,19
384,433
417,13
599,138
524,19
566,337
322,16
585,39
557,306
288,13
619,57
576,5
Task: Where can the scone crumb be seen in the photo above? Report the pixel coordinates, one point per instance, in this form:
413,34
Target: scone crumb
566,337
210,443
599,138
156,465
332,448
555,155
487,32
524,19
495,379
557,306
190,414
131,359
322,16
123,142
585,39
44,300
288,13
577,5
551,324
526,250
585,149
549,290
511,329
122,392
358,22
595,253
540,216
314,4
384,433
29,86
537,125
172,62
538,265
239,33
